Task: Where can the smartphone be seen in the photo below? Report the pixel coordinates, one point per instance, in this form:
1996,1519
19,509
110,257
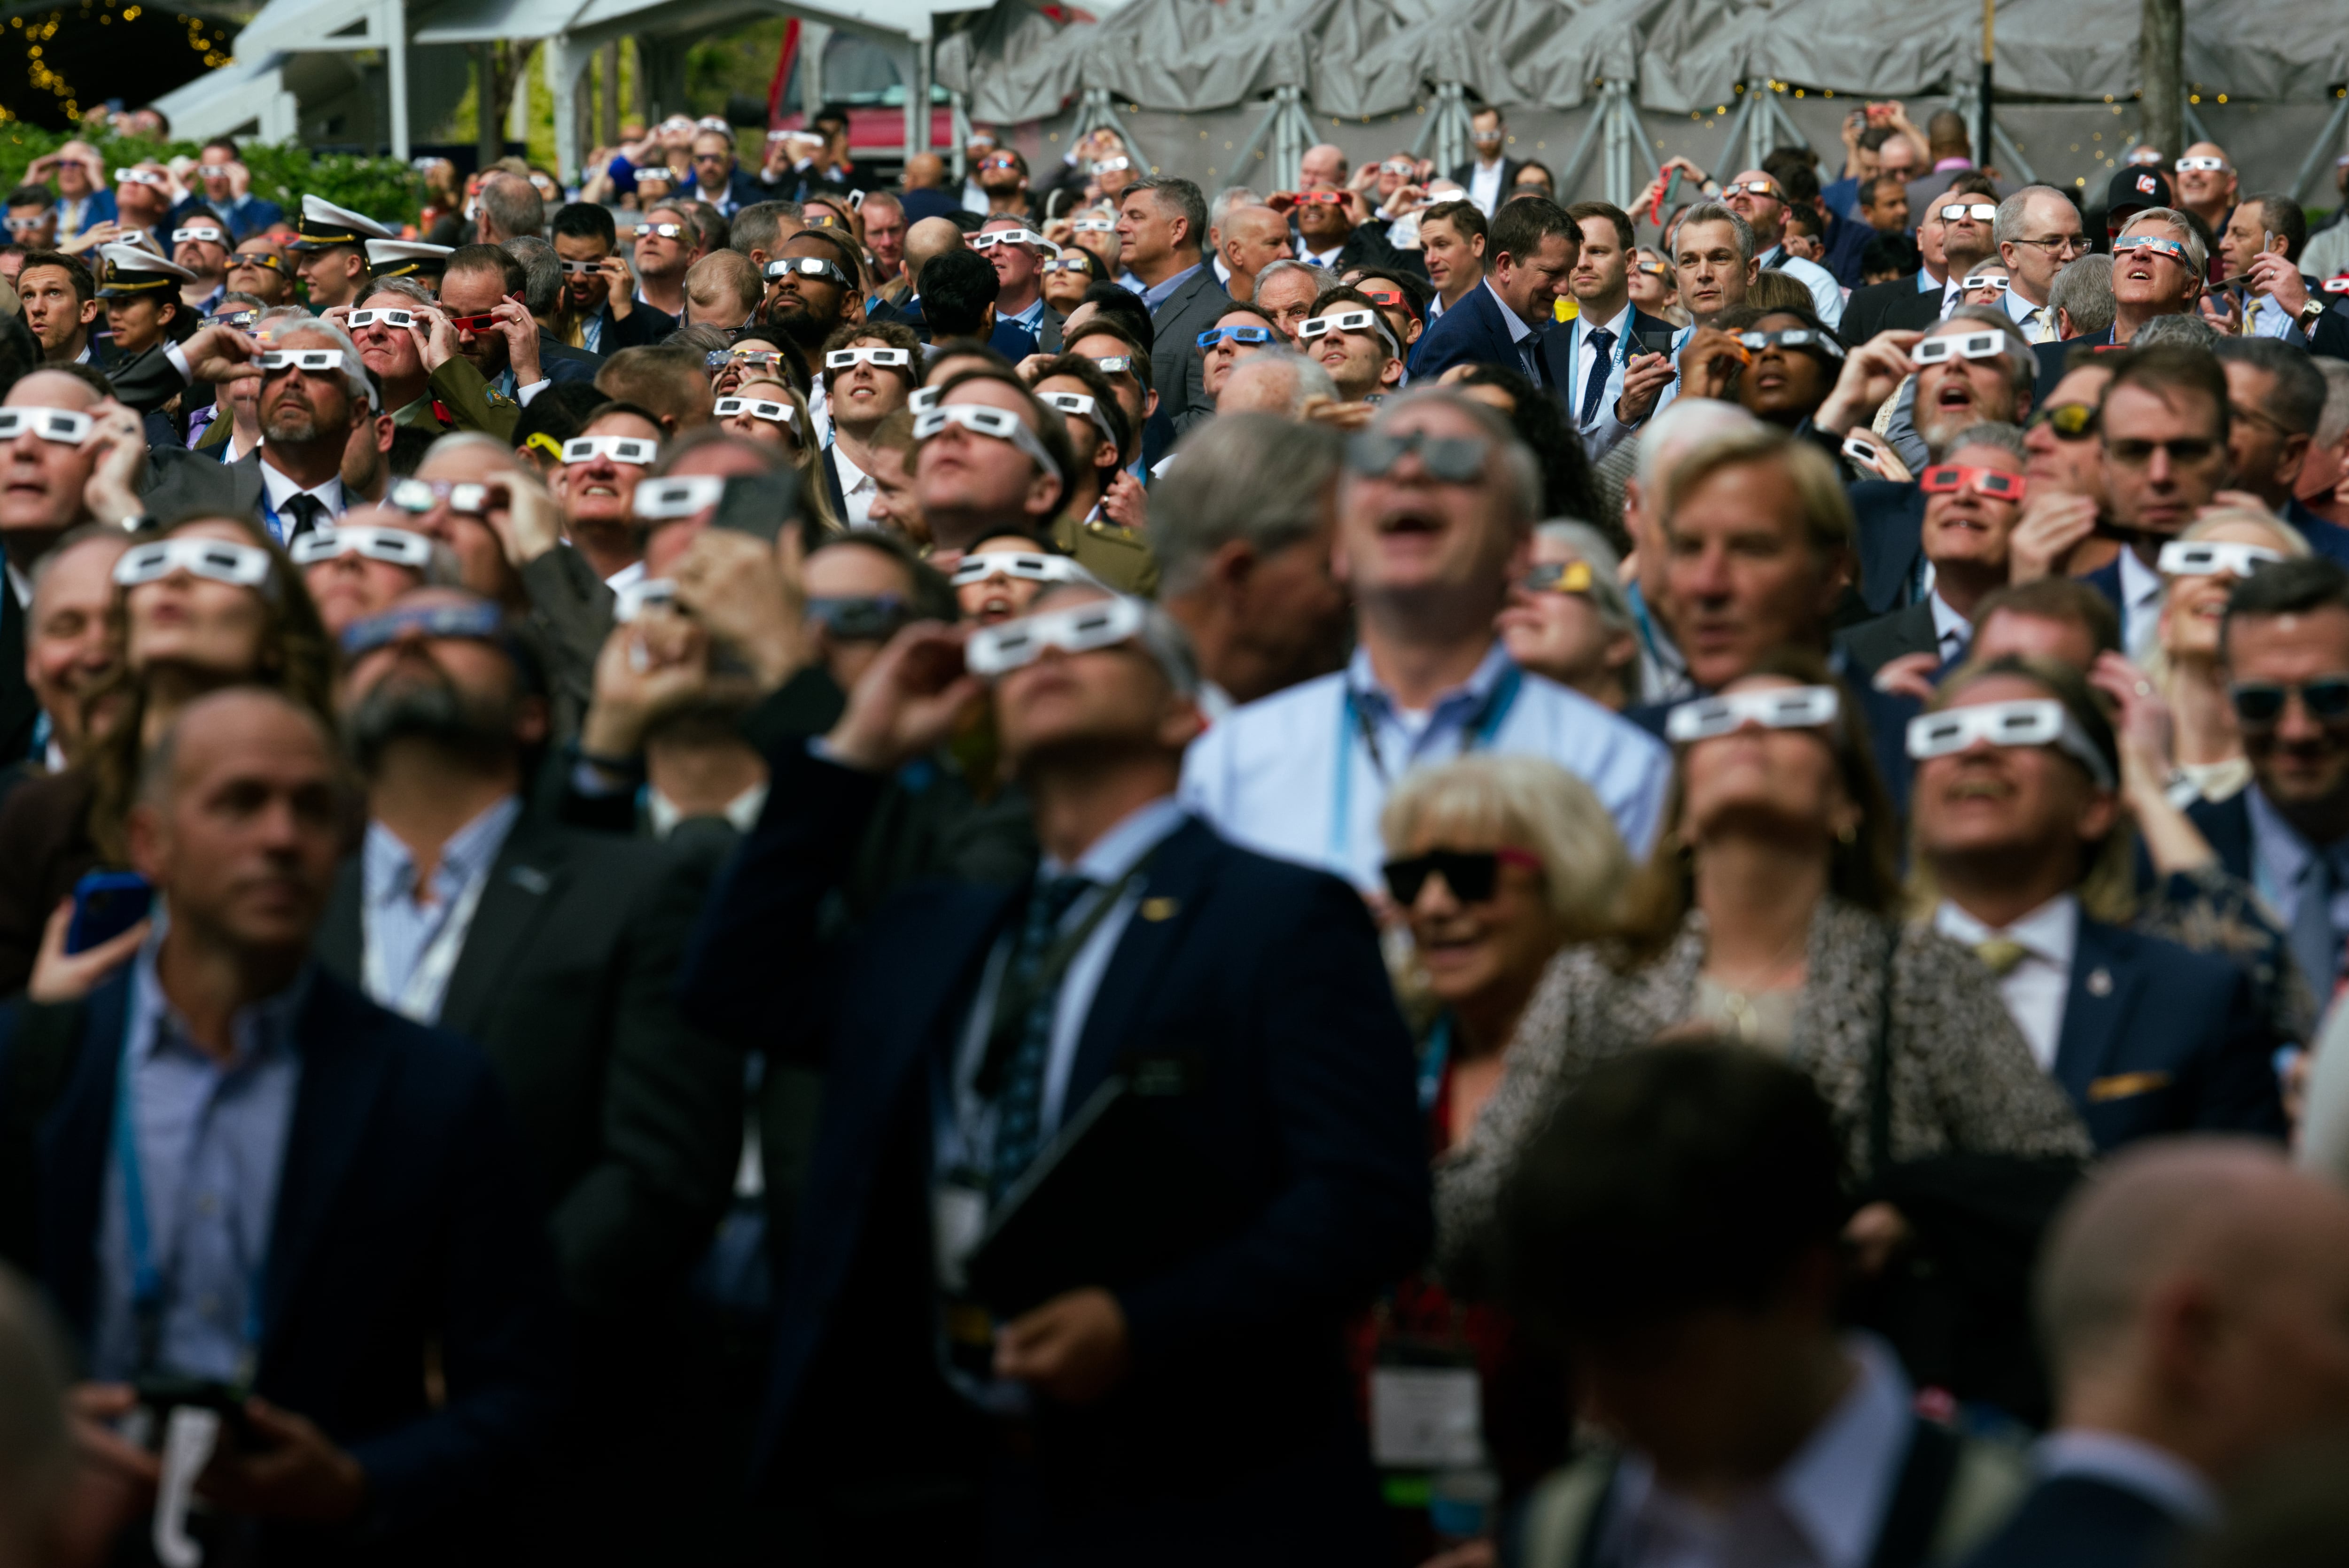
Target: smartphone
104,905
1654,342
759,504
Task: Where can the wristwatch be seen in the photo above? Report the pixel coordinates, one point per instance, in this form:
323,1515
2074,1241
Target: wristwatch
2311,310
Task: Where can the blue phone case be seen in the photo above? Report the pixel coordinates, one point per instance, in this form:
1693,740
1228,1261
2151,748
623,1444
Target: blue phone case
106,905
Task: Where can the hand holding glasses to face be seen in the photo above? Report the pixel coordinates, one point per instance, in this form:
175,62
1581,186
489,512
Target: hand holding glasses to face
2036,721
1777,707
62,425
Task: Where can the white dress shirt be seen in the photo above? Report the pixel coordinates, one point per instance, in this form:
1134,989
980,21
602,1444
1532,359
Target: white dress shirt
2140,605
1951,631
857,489
627,577
2035,989
1484,185
1823,1509
1325,259
278,488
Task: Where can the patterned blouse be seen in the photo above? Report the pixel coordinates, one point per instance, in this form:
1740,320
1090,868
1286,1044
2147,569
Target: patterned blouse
1962,1080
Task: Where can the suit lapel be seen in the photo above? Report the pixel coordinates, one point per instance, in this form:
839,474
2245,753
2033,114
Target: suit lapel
73,1143
2104,983
525,884
342,936
1172,894
345,1056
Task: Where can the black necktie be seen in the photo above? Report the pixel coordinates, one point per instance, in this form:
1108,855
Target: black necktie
302,513
1596,383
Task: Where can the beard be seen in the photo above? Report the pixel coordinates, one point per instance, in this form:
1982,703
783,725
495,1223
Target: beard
291,424
430,708
806,330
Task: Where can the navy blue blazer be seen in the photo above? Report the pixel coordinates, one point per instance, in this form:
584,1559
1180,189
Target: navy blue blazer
1889,520
2050,357
2160,1038
1473,333
1264,979
2078,1522
405,1217
2227,825
2326,537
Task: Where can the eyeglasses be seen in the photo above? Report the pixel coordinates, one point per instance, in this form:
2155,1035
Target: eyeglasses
997,424
999,649
2214,557
658,231
850,359
2068,244
805,268
2259,705
681,495
240,319
1245,335
632,598
400,318
2199,165
1321,198
1997,283
921,400
758,408
62,425
1783,707
1453,459
2036,721
1969,346
1749,188
994,237
213,236
142,177
1093,226
1948,478
2142,245
1019,563
215,171
418,497
1112,165
1792,337
1557,577
1068,265
1979,211
475,622
269,260
239,565
749,358
2186,450
822,218
2066,421
863,618
1348,321
311,361
1473,875
393,546
1114,363
634,450
1393,299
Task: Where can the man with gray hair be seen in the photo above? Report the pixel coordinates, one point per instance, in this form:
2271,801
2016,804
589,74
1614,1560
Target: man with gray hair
2038,233
1712,251
1285,290
1435,515
1162,226
1274,382
1242,524
509,207
2193,1303
2159,263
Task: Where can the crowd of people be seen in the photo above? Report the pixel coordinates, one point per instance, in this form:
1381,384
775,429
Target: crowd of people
750,869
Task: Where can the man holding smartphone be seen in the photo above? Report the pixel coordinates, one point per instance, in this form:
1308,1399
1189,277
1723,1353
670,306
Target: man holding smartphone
1622,357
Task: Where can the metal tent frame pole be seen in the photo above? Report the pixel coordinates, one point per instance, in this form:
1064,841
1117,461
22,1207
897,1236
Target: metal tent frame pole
2195,128
958,123
1285,127
1615,130
1095,110
2322,149
1966,99
1448,127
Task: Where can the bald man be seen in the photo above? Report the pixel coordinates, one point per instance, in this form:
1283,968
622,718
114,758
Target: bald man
2194,1304
1323,167
924,242
1251,240
925,194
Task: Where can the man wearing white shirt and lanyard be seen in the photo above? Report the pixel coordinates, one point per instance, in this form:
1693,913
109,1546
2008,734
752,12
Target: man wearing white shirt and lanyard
1609,397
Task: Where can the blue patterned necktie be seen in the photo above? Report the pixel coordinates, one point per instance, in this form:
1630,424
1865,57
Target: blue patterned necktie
1601,342
2314,943
1018,1114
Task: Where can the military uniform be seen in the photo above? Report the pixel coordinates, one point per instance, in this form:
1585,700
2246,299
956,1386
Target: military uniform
457,398
1118,556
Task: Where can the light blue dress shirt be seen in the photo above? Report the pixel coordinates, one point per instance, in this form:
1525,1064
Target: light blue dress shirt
1277,774
1155,297
210,1142
397,928
2279,858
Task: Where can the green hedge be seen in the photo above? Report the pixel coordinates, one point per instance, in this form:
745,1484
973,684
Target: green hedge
382,187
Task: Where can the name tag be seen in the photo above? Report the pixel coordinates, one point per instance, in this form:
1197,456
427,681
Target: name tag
1425,1417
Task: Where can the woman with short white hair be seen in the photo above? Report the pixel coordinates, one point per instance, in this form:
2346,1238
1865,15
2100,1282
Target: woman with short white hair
1567,618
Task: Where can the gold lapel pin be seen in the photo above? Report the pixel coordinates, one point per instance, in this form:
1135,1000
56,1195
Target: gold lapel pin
1160,908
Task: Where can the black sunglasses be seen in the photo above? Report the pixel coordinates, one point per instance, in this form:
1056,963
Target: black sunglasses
1455,460
2259,705
873,618
1470,874
2070,421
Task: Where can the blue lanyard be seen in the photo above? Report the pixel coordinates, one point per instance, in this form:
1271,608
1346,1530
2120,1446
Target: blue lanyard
1434,1056
1353,722
148,1287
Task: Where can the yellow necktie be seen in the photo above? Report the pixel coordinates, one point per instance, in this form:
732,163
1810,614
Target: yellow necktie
2000,954
2035,325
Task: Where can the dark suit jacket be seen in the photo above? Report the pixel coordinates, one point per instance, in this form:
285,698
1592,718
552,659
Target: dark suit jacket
558,361
1472,333
633,1118
2326,537
1175,365
1509,167
1881,306
1889,519
2077,1521
407,1228
2052,355
2226,824
1874,643
1265,978
2330,336
644,325
20,712
2160,1038
182,482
